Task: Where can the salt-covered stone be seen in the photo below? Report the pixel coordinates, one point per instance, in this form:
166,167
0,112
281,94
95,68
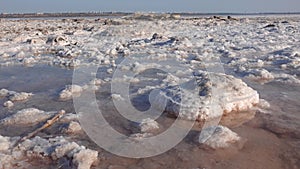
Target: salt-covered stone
140,136
263,104
20,96
4,143
148,125
20,55
64,149
219,137
72,127
26,117
96,82
85,158
5,55
29,61
39,41
8,104
261,75
59,40
69,117
4,93
70,91
286,78
117,97
6,161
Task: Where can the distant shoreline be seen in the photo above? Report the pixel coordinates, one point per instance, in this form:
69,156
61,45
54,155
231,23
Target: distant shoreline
109,14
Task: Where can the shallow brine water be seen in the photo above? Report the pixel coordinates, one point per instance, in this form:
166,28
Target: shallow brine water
272,138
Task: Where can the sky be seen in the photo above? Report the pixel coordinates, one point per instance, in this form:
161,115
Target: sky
202,6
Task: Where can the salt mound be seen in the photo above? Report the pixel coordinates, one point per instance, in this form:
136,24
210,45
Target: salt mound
26,117
230,93
222,137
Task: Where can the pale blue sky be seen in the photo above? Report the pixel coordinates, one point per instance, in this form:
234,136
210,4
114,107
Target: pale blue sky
23,6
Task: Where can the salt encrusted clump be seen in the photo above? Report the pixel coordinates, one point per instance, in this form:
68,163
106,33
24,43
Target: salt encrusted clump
4,143
59,40
224,91
219,137
72,128
32,115
70,91
96,82
37,147
37,41
261,75
28,61
15,96
148,125
117,97
70,117
7,159
68,52
140,136
26,117
4,93
5,55
20,96
85,158
287,78
20,55
66,62
8,104
263,104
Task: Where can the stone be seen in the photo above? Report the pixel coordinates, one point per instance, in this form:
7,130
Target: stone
220,137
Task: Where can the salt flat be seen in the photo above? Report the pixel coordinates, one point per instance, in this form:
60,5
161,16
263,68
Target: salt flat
249,66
